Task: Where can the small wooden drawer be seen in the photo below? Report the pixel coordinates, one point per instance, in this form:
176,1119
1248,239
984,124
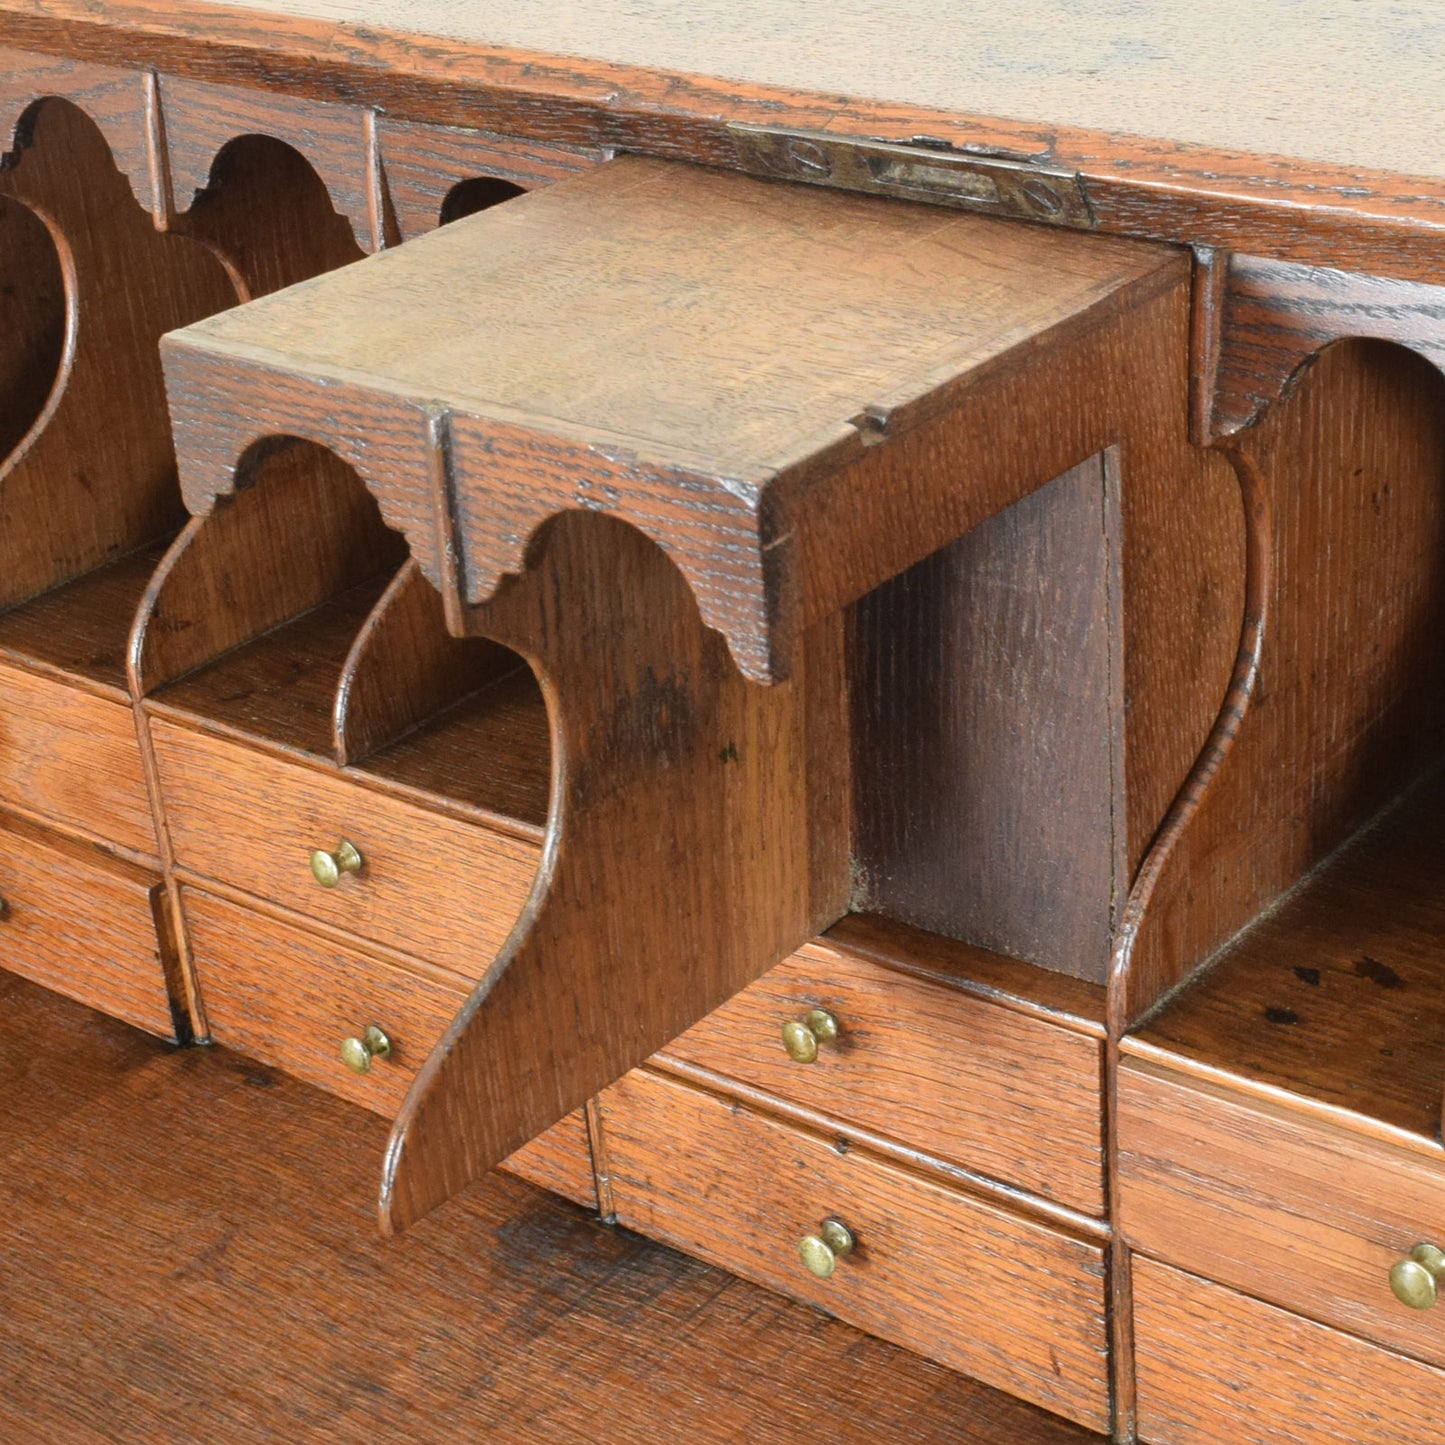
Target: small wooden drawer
976,1287
86,925
434,886
927,1066
289,998
1215,1367
1288,1207
72,757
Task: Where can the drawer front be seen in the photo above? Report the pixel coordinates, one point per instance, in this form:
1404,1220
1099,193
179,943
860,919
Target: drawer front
444,890
929,1067
560,1161
1218,1368
289,998
84,925
975,1287
73,758
1288,1208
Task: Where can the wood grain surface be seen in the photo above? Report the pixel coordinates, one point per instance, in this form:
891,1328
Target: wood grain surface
663,754
1379,211
1295,1210
91,927
1337,705
95,475
683,416
288,998
1307,1385
32,320
559,1161
1007,825
143,1230
1336,997
941,1072
1010,1302
445,891
1277,315
72,758
201,120
423,164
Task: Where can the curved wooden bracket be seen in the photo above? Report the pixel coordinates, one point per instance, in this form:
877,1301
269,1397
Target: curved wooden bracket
118,102
95,475
1260,323
697,835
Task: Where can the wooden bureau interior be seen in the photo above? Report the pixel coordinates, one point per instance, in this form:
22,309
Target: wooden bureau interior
890,743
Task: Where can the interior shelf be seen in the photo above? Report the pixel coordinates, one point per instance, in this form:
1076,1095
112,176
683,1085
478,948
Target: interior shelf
1338,994
80,628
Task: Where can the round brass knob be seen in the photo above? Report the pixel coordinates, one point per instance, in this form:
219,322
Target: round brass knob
357,1054
821,1252
327,868
801,1037
1416,1281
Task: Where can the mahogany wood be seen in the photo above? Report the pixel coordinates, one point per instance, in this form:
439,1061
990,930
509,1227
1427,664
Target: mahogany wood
1299,1211
143,1229
91,927
1307,1385
439,888
944,1073
423,164
935,1270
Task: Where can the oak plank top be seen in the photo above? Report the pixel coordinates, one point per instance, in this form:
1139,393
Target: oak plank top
710,321
1355,84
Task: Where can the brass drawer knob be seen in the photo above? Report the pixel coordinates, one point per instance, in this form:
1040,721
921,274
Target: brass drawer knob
357,1054
801,1037
1416,1281
821,1252
327,868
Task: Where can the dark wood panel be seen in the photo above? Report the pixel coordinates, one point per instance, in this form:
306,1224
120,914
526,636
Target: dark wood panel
1306,1384
32,320
987,747
169,1284
943,1273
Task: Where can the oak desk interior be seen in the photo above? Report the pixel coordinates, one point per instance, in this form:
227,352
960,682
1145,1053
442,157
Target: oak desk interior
887,740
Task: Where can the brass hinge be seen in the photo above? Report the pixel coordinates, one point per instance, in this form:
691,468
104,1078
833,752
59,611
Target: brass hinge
990,185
